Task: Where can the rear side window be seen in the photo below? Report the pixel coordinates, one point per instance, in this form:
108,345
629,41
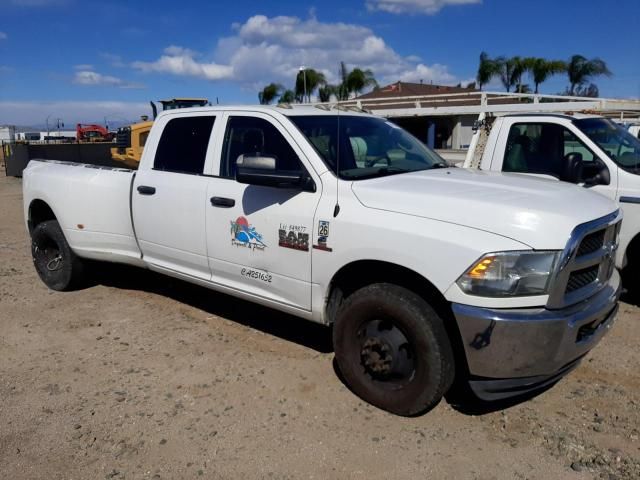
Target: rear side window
183,145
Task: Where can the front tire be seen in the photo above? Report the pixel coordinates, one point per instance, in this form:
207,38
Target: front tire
392,349
58,267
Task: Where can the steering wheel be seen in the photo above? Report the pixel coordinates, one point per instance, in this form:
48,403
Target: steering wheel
372,162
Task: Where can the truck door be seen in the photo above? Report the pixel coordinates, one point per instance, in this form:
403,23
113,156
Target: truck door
545,149
259,238
169,198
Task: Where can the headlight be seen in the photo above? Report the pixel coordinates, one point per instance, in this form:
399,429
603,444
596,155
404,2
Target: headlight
510,274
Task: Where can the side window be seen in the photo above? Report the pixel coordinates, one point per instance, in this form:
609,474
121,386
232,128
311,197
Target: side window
183,145
250,136
542,148
143,138
573,145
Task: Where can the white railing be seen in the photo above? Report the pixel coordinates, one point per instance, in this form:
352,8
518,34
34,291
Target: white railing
489,102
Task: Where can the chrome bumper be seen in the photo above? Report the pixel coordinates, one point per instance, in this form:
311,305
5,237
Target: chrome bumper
512,351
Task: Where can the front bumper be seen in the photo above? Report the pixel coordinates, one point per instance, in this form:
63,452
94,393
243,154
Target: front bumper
513,351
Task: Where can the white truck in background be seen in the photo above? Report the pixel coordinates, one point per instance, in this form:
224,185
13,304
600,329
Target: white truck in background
583,149
425,272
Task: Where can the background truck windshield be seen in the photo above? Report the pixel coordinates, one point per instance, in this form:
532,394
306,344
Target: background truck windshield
622,147
367,147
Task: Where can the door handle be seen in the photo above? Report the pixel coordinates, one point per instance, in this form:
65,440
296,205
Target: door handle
222,202
145,190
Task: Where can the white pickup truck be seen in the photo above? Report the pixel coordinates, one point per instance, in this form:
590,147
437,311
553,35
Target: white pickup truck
425,272
587,150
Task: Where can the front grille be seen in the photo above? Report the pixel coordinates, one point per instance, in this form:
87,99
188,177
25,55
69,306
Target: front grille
587,262
591,243
123,137
581,278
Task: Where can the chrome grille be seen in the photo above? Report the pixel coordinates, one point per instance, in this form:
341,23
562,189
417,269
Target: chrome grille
582,278
587,262
591,243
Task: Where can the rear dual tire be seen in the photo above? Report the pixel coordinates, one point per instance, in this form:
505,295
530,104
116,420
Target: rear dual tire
392,349
57,266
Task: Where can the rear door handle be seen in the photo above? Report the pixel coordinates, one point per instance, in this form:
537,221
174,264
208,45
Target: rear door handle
223,202
146,190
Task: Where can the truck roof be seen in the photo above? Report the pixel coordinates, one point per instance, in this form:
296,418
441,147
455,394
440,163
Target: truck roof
566,115
283,109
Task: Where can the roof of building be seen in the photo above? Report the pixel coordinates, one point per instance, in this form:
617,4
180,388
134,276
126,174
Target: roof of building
406,89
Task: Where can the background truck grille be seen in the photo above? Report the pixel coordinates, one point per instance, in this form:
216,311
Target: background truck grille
582,278
591,243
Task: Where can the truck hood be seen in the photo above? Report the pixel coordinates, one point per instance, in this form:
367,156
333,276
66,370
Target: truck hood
537,212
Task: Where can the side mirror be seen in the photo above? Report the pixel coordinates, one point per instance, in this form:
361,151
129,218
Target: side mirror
261,170
602,177
572,168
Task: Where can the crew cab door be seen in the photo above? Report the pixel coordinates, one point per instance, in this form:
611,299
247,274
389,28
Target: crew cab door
545,148
259,237
169,197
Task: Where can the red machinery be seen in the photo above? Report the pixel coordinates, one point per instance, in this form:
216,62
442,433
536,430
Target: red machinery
93,133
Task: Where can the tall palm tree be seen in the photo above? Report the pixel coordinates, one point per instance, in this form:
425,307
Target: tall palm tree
504,69
519,66
541,69
581,70
358,80
510,71
309,80
325,92
342,92
487,69
269,93
288,96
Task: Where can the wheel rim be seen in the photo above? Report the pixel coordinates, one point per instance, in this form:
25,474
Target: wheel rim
386,355
47,256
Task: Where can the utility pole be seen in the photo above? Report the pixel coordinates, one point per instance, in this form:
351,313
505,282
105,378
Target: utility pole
304,82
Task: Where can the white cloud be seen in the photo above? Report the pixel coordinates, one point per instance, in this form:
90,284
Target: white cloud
91,78
72,112
83,66
265,49
429,7
3,36
182,61
436,73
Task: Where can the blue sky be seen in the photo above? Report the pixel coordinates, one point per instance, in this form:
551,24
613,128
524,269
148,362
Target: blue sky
83,60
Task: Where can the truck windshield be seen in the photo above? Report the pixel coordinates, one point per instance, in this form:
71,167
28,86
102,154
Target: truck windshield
365,147
622,147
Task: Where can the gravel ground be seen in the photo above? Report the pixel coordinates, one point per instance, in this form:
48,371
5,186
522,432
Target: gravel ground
142,376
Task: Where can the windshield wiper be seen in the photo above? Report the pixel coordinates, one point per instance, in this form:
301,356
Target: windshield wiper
441,165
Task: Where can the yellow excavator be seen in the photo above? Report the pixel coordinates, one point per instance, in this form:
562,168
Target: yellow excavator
130,140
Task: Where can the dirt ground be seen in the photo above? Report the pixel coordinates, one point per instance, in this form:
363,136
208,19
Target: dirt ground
142,376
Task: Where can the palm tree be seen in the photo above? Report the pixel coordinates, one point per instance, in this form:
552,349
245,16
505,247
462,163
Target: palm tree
269,93
487,69
541,69
308,80
325,92
511,71
288,96
342,90
581,70
358,80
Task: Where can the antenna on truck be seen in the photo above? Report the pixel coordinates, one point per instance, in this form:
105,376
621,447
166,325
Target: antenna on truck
336,209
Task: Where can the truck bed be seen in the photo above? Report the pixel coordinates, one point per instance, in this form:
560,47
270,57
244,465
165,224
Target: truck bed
92,204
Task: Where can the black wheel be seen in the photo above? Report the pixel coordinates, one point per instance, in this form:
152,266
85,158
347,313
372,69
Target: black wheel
58,267
392,349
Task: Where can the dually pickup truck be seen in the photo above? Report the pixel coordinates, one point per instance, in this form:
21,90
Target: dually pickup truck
425,272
